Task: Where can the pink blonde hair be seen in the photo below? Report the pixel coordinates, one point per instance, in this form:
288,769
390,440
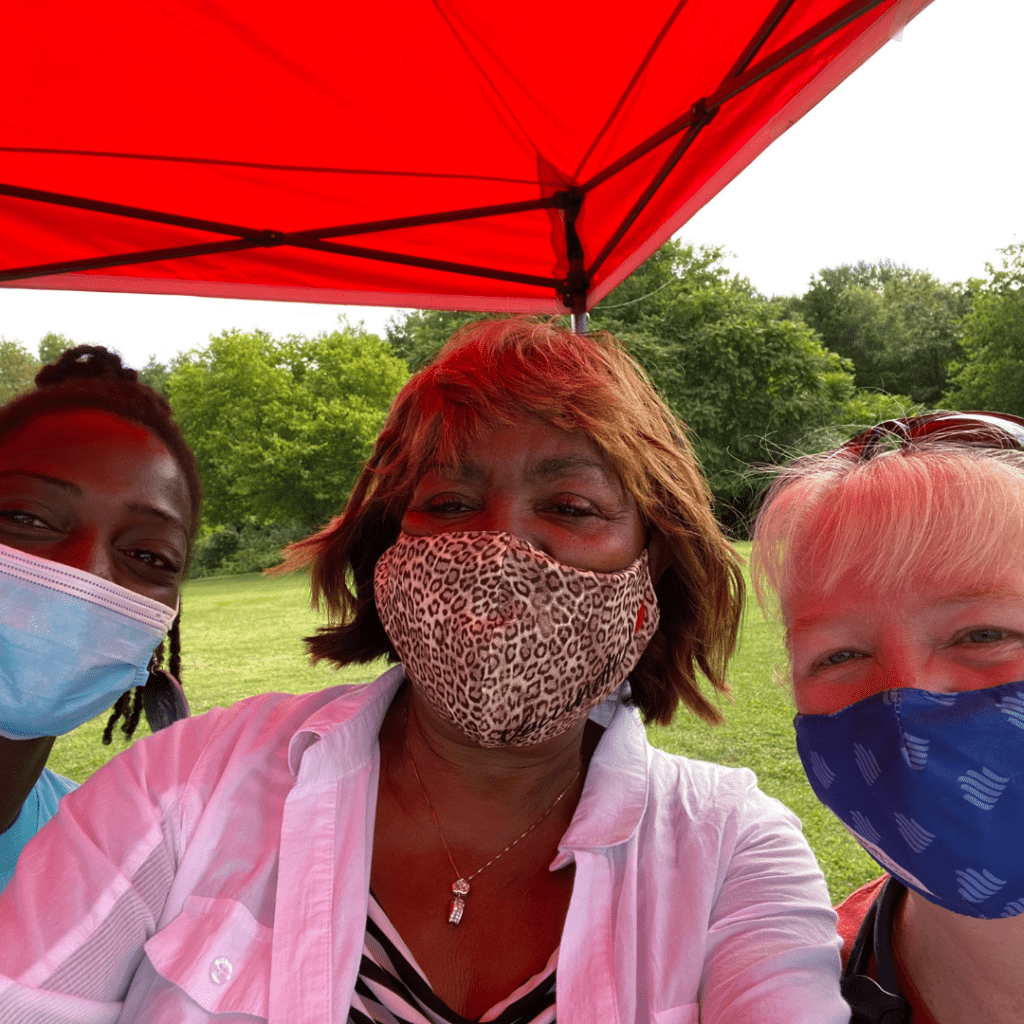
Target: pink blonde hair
935,511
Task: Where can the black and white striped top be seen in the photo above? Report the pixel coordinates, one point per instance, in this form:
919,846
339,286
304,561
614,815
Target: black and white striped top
391,988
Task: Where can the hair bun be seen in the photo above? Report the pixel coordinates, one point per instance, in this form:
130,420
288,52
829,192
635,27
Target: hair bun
84,362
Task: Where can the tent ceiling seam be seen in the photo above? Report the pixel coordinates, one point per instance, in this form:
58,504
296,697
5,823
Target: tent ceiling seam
256,166
648,57
486,77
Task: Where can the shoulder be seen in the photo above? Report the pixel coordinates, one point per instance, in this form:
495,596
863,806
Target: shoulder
51,787
744,844
729,866
709,792
201,754
854,909
49,790
39,807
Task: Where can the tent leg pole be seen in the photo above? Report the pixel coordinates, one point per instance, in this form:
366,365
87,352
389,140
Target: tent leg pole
579,323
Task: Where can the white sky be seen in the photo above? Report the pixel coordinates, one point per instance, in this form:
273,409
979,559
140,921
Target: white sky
918,157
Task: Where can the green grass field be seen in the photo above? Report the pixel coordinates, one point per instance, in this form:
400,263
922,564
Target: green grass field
241,635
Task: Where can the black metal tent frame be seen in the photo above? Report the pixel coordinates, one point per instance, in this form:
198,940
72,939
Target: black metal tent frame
572,289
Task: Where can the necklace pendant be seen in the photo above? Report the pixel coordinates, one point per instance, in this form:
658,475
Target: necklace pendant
458,904
455,911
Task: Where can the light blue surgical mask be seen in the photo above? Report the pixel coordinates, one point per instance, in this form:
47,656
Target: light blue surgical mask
70,644
932,786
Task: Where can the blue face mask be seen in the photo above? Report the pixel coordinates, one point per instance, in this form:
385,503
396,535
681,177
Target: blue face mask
932,786
70,644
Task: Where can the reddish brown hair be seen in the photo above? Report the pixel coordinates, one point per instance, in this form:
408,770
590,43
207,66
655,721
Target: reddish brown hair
500,371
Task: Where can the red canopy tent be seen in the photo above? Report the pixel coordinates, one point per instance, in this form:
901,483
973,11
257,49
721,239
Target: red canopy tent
427,153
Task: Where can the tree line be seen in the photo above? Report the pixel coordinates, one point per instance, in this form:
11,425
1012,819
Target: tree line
759,379
281,426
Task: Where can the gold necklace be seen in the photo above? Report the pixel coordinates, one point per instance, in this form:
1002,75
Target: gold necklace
460,888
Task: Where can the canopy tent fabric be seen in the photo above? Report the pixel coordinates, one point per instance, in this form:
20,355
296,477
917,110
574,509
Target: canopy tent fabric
425,153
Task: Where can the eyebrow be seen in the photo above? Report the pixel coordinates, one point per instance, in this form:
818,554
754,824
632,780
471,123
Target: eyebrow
159,513
67,485
562,465
546,469
811,620
71,488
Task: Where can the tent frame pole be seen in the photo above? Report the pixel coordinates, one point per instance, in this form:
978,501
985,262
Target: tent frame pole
577,282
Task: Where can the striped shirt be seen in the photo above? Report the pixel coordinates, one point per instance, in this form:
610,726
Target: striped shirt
391,988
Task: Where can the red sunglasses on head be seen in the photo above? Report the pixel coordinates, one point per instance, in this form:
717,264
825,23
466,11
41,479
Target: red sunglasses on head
982,429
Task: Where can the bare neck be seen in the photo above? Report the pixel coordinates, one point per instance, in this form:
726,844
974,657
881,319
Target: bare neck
492,792
965,968
23,762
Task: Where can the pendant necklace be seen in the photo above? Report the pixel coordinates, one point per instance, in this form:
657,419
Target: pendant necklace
460,889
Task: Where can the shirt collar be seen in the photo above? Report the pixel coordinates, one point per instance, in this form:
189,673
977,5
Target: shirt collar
615,793
344,735
346,728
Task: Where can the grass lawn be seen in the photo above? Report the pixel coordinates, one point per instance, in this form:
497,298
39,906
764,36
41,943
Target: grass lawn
241,635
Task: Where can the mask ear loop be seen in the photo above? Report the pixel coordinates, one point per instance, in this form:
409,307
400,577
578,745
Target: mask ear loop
163,698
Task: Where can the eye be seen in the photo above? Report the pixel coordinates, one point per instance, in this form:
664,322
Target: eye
983,636
838,658
153,559
444,505
19,517
570,506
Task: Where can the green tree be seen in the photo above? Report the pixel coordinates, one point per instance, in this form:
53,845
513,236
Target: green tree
991,373
280,428
157,375
17,369
899,327
748,381
52,346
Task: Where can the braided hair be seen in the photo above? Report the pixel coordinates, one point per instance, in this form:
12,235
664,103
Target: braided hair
92,377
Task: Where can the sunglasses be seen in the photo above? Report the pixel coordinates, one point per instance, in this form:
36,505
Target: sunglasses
980,429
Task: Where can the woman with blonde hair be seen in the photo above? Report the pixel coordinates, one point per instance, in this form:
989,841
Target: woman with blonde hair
484,833
897,563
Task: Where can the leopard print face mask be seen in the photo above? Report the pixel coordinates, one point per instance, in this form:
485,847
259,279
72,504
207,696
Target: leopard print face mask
506,643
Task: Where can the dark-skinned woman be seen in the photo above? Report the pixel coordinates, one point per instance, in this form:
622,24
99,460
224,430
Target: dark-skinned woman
99,502
484,833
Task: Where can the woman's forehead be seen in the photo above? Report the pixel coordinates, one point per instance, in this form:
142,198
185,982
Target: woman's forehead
68,430
866,586
98,452
539,446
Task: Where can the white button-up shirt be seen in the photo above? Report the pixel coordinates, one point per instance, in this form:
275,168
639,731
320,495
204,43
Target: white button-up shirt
218,871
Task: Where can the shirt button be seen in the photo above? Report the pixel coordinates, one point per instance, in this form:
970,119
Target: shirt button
221,970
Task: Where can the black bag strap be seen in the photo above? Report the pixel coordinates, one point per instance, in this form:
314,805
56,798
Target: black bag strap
876,1002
